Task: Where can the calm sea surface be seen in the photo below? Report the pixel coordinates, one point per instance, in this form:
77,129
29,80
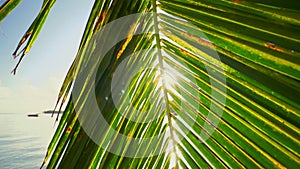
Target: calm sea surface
23,140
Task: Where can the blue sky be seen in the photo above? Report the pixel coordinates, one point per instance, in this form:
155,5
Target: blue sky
35,86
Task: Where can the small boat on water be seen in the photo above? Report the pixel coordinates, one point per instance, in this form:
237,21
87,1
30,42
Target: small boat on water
33,115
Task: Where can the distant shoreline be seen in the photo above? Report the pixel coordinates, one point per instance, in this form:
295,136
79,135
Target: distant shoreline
44,112
51,111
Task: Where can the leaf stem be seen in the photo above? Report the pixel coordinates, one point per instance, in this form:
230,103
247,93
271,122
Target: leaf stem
164,86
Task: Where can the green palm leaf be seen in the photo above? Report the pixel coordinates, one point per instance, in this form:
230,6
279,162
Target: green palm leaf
207,84
7,7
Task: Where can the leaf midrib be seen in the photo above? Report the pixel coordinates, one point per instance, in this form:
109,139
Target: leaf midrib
161,66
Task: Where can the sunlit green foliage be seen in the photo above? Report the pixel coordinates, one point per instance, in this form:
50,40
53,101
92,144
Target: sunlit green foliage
258,43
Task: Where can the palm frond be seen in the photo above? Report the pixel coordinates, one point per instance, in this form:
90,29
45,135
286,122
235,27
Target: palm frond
211,84
7,7
32,32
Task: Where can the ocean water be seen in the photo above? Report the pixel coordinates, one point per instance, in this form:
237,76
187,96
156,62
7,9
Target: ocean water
24,140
